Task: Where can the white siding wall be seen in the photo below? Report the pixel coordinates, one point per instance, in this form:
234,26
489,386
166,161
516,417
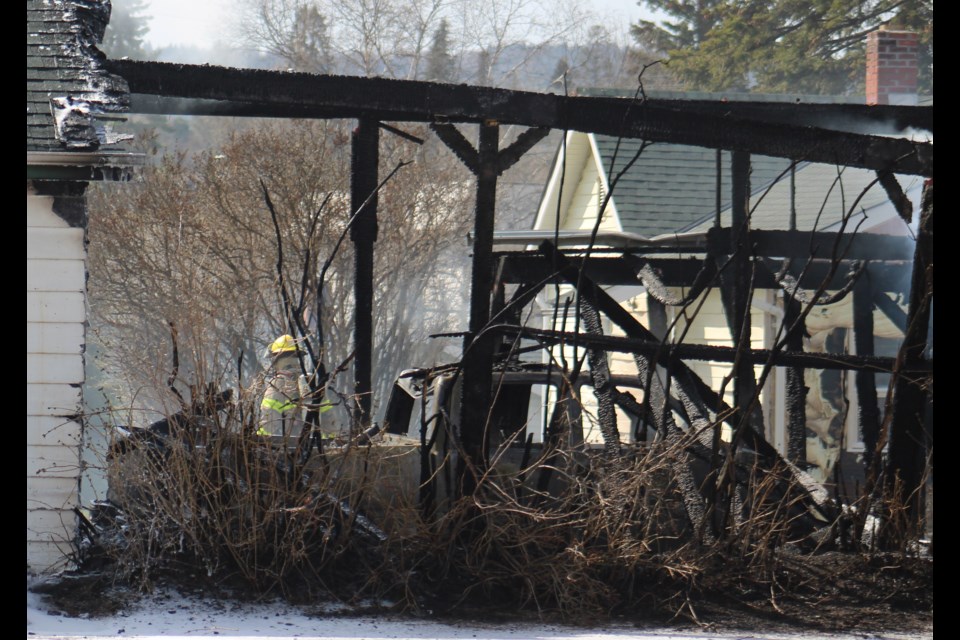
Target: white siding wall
582,212
710,327
56,315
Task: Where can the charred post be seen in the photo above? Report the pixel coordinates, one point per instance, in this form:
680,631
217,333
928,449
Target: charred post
796,390
363,233
600,376
737,288
908,437
866,380
478,349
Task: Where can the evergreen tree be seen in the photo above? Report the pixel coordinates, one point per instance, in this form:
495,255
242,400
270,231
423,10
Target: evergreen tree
440,67
309,48
484,62
795,46
691,21
126,30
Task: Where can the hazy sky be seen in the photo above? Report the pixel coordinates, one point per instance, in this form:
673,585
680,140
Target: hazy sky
201,22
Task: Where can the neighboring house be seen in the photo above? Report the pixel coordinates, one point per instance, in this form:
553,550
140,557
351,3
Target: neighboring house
670,192
68,95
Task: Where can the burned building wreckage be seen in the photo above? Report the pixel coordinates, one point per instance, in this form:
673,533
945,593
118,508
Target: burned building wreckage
723,434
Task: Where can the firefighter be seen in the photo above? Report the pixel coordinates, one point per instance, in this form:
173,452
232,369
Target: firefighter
286,393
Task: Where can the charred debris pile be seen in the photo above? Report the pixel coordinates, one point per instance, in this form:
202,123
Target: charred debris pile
464,497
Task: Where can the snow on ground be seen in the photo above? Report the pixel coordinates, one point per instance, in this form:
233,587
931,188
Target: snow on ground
168,615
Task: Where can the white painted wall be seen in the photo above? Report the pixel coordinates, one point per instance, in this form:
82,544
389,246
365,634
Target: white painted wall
56,272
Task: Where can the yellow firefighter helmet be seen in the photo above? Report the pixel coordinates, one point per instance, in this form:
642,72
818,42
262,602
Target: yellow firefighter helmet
283,343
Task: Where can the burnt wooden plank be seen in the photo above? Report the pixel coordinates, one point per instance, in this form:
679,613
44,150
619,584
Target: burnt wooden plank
527,267
908,434
284,94
866,384
736,292
796,390
478,349
819,245
363,233
671,354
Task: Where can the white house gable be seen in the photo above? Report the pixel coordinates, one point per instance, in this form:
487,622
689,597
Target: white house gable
584,187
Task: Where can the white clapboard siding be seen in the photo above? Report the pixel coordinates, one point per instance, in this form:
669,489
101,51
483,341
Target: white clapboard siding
55,337
582,212
44,556
54,368
40,212
55,306
47,430
50,525
578,153
52,399
51,493
56,316
56,275
54,243
53,461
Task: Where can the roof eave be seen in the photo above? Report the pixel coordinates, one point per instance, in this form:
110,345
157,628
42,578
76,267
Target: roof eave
84,166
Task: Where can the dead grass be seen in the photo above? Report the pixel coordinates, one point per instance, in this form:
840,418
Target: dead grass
221,507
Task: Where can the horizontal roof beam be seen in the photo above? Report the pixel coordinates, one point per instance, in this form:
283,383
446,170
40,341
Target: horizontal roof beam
668,353
530,268
264,93
823,245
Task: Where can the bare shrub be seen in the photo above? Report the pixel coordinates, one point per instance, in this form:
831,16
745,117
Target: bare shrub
213,496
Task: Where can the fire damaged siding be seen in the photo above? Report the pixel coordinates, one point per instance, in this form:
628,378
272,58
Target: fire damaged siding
55,338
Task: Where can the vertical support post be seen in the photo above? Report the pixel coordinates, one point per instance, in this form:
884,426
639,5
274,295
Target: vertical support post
866,383
478,351
908,439
719,189
795,388
736,290
363,184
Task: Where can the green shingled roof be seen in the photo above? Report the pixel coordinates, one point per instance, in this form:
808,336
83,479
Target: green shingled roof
62,62
672,187
822,197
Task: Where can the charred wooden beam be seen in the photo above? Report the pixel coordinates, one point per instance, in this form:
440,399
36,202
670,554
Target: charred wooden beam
657,289
866,383
457,143
890,309
819,245
693,389
908,436
524,142
791,286
796,389
477,348
897,197
306,95
737,291
521,298
363,184
529,268
602,386
400,133
840,117
672,354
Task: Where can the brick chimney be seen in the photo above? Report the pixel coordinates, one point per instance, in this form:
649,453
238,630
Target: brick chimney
892,67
